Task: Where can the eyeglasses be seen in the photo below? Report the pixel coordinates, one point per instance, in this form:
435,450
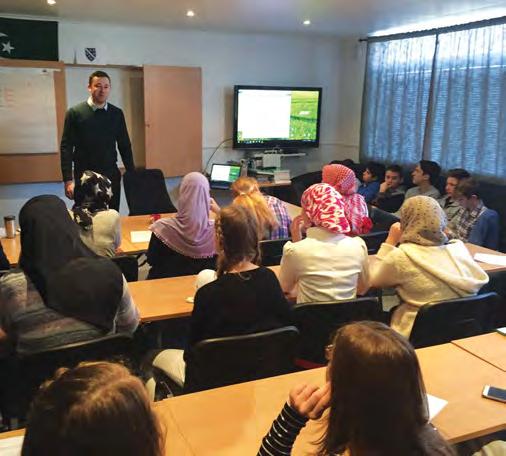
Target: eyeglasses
329,349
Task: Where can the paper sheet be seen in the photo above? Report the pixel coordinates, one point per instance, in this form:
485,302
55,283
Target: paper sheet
11,446
140,236
435,405
499,260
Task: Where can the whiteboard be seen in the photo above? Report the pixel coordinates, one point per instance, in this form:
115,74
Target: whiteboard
27,111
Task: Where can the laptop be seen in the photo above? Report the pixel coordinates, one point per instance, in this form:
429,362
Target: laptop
222,176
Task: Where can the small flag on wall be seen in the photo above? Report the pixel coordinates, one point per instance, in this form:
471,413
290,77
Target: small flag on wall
28,40
91,54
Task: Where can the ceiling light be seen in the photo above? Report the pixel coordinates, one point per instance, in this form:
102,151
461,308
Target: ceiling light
307,22
190,13
51,2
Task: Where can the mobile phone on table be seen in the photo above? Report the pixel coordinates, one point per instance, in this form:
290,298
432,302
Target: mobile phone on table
502,330
497,394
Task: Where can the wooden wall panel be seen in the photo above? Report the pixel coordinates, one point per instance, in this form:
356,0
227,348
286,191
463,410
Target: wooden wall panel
16,168
173,114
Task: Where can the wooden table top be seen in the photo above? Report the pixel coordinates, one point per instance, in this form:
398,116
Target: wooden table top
194,424
12,247
449,372
491,348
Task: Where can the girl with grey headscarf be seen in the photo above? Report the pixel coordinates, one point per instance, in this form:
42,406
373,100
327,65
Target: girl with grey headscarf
421,264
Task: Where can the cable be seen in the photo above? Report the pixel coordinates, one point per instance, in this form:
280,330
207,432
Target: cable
212,155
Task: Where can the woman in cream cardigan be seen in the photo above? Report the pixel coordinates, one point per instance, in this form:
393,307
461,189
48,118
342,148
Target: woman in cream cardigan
421,264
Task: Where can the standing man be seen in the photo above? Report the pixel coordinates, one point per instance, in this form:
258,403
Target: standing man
92,130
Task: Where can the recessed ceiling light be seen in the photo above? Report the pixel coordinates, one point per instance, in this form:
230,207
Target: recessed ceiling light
307,22
190,13
51,2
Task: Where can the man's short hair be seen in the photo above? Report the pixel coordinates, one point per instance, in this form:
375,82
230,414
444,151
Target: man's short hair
458,173
98,74
376,169
395,169
432,169
467,188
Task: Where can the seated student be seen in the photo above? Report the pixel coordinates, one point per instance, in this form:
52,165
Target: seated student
355,207
424,176
100,226
63,293
475,223
425,268
184,245
391,193
327,265
96,408
272,216
244,299
451,207
376,396
372,176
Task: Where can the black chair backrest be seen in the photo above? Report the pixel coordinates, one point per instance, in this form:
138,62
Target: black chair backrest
272,251
301,183
391,204
129,267
146,192
373,241
381,220
317,322
444,321
30,371
229,360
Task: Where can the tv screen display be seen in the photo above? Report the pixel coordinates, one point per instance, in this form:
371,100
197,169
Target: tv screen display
284,117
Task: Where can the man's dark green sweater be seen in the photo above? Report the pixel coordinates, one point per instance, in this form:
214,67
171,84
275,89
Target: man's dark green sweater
89,140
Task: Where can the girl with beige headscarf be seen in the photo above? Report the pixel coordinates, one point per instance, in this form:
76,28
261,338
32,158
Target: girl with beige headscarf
421,264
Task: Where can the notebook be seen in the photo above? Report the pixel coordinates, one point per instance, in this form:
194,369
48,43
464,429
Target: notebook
222,176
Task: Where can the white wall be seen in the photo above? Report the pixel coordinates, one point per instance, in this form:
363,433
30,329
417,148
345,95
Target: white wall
226,59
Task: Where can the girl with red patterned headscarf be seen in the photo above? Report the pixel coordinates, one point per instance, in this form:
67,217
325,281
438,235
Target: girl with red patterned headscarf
355,207
327,265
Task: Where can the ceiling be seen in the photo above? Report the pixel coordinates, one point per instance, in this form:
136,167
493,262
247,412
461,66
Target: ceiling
333,17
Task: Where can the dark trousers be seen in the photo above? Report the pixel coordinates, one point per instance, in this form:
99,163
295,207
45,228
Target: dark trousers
114,176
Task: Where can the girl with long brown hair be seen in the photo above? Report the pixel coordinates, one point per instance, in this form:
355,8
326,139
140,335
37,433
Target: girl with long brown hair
245,298
375,396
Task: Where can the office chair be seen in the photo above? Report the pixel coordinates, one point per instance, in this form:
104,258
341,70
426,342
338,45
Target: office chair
146,192
128,265
272,251
317,322
444,321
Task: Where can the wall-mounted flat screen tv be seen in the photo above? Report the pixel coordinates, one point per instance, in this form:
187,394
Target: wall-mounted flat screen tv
276,117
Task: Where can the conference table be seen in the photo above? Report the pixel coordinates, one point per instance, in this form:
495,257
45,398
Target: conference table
491,348
200,424
163,299
129,224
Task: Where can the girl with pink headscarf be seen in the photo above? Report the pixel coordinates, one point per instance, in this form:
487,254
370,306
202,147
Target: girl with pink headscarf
327,265
184,245
355,207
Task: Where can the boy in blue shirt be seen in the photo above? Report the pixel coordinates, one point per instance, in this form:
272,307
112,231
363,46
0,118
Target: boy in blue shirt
372,177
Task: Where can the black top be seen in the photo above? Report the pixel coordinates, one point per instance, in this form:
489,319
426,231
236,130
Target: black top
166,262
237,304
89,140
4,262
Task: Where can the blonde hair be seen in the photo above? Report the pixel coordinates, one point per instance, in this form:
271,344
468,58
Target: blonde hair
247,194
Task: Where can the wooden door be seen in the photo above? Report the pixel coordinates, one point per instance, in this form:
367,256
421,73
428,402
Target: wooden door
173,116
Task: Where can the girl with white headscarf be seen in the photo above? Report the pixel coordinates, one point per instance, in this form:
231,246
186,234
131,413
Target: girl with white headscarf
425,267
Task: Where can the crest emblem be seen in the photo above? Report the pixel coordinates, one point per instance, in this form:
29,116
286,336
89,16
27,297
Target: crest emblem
90,53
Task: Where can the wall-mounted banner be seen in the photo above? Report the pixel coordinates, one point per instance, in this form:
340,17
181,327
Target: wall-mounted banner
28,40
91,54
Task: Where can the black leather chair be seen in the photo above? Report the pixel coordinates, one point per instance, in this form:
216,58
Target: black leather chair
272,251
381,220
318,321
146,192
228,360
27,373
373,241
442,322
301,183
128,265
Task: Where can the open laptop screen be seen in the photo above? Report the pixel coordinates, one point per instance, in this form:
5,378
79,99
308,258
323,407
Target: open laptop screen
224,174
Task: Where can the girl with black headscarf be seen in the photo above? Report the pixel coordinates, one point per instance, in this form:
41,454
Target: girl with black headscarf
64,292
99,226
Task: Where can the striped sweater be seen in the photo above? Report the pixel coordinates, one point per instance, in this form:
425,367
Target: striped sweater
282,434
